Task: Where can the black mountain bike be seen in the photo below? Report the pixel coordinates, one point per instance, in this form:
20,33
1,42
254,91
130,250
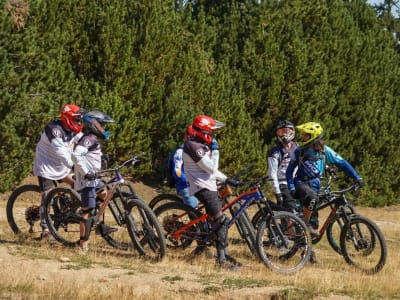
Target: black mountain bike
356,237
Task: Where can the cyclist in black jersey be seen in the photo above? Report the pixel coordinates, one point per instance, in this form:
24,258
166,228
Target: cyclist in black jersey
277,162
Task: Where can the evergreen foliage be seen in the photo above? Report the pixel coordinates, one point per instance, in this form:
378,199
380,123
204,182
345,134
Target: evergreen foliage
154,65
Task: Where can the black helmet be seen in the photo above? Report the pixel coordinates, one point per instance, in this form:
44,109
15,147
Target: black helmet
285,131
94,122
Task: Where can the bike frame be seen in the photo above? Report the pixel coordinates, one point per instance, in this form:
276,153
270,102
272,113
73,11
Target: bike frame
338,203
112,186
247,198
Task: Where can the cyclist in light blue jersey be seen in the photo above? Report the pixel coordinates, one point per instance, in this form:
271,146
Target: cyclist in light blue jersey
311,158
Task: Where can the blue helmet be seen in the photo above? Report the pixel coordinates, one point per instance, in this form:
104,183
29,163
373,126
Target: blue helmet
94,122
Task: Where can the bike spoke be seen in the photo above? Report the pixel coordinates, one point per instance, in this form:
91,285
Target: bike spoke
283,242
363,245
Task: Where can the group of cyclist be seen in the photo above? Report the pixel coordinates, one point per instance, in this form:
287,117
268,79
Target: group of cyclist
295,169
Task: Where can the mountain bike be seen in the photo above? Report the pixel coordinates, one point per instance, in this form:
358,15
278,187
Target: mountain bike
332,229
137,225
243,223
283,241
357,238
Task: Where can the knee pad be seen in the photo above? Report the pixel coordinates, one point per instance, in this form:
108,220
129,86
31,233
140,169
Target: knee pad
87,222
311,205
222,232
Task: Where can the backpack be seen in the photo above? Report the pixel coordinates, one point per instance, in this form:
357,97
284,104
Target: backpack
170,178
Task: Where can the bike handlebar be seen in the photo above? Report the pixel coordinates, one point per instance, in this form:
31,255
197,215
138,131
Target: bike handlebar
130,162
252,183
325,194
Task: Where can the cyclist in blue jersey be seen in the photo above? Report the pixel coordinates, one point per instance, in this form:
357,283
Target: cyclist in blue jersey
310,159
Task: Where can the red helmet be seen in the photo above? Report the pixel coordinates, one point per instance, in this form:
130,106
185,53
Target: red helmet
71,117
204,126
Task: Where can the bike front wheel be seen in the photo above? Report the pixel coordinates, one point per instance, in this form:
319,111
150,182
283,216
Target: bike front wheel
145,230
116,216
363,245
62,216
283,242
23,210
334,228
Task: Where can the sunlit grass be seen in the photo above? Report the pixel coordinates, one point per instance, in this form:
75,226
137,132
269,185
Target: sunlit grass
125,275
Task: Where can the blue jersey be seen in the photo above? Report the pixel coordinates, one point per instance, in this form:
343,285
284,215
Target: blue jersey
311,166
177,169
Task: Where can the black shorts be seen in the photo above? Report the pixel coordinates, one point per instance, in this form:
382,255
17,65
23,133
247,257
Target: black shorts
307,196
46,184
210,200
288,201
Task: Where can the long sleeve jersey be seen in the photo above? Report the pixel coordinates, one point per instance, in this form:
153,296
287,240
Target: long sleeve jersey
53,151
178,169
311,166
201,167
277,162
87,159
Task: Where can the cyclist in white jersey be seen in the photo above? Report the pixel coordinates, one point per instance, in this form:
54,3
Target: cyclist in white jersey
201,168
53,153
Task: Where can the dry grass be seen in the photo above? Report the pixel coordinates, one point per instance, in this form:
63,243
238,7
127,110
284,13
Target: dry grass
33,270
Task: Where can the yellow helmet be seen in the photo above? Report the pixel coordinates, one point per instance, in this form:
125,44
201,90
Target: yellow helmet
313,129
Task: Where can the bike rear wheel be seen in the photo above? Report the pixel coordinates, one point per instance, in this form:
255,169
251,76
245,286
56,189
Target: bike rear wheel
283,242
145,230
23,211
173,216
363,245
62,216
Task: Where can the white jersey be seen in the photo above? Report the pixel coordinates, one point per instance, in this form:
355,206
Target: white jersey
53,152
201,167
87,159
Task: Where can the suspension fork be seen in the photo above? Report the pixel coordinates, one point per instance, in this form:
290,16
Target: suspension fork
278,230
117,211
329,219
